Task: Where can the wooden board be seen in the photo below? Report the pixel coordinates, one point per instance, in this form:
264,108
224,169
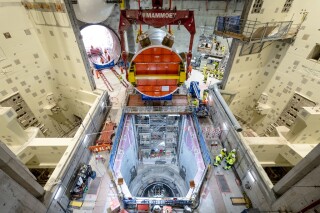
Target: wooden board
238,201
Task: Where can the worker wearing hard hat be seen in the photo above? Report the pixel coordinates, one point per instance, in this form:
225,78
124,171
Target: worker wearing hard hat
195,103
223,152
230,162
232,152
205,77
218,160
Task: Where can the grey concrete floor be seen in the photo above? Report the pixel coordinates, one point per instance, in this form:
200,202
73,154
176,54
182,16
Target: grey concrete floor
213,199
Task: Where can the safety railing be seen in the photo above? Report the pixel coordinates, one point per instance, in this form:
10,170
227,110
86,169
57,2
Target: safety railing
158,109
116,142
177,202
204,149
245,165
254,31
56,199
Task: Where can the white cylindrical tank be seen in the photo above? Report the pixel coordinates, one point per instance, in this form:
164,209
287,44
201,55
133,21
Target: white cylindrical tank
92,11
101,37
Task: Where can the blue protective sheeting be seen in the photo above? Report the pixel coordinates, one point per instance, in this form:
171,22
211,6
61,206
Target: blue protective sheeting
194,89
103,66
116,141
164,98
202,142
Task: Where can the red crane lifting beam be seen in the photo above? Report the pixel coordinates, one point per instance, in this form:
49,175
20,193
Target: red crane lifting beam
156,17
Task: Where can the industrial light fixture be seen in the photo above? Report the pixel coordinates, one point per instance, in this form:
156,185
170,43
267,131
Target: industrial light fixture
250,176
103,105
59,193
224,126
85,140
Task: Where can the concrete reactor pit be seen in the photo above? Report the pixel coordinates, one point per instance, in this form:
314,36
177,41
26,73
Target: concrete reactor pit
163,161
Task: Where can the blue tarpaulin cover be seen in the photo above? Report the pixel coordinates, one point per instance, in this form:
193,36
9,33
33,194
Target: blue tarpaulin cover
103,66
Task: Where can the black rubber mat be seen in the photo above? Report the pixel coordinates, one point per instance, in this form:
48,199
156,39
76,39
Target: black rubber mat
223,185
94,186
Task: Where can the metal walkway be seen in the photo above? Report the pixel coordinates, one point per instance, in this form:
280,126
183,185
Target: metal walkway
255,31
158,110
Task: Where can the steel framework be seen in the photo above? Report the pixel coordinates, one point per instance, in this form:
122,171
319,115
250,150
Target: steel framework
156,17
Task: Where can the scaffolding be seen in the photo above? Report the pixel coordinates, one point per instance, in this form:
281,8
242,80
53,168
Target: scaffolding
157,136
254,31
158,109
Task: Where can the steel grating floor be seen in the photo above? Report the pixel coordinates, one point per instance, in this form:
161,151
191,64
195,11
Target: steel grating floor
223,185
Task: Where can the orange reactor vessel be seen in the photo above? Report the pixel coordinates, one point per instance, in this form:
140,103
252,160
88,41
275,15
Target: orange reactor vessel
156,70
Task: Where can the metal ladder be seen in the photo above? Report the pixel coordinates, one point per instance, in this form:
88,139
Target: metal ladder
105,81
122,81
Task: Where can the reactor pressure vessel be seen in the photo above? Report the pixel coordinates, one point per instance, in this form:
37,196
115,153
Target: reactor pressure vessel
156,70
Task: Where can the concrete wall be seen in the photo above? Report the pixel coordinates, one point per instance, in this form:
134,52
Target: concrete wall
41,61
43,152
277,151
299,188
269,7
14,198
278,71
301,194
24,67
249,78
76,154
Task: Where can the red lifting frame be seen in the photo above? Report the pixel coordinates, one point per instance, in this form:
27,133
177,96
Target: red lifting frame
156,18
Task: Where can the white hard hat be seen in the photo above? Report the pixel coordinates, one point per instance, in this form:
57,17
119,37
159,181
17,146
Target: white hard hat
234,150
233,155
224,149
220,155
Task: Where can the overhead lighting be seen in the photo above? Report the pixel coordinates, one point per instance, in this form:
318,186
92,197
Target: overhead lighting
250,176
85,140
58,194
224,126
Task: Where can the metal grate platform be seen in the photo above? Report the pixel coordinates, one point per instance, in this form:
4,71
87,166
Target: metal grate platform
222,182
